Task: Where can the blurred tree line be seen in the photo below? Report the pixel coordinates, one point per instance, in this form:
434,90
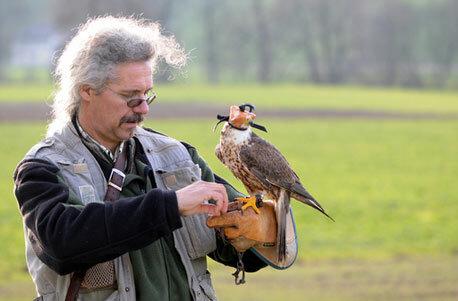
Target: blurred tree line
386,42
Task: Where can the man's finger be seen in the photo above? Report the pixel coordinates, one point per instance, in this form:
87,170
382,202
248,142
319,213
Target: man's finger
222,191
209,209
225,198
220,197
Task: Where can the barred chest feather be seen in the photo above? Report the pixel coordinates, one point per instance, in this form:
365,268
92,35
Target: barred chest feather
231,142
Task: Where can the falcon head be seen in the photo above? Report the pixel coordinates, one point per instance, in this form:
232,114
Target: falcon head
241,116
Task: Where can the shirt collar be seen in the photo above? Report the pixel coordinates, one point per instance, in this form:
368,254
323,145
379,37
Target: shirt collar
104,149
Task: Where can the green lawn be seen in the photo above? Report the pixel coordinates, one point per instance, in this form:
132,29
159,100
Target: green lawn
25,93
390,186
287,96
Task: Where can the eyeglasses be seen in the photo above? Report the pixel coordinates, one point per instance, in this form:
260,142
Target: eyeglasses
134,102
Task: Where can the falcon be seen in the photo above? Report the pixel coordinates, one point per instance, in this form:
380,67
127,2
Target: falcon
261,167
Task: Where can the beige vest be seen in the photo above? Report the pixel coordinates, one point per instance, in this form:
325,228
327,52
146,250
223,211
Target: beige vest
173,168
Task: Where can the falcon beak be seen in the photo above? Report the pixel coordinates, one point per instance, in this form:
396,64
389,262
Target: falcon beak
250,117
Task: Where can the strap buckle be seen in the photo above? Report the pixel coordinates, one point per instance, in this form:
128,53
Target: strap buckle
116,179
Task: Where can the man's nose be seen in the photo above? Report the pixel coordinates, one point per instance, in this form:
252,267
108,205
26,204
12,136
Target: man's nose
142,108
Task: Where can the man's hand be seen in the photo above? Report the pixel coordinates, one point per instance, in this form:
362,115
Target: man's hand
245,229
193,199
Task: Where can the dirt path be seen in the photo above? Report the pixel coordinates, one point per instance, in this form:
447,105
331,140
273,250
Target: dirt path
423,278
41,112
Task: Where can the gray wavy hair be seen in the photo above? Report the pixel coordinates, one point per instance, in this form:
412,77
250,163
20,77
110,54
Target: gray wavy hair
98,46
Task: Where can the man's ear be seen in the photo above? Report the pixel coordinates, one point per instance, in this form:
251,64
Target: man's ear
86,92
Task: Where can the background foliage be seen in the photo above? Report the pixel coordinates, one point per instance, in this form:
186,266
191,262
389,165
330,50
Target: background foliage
386,43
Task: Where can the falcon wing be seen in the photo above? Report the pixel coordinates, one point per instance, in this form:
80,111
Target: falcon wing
267,163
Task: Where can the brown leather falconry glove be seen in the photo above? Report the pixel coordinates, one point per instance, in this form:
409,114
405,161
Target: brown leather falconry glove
246,228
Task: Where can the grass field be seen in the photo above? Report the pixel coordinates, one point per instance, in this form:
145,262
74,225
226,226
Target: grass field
287,96
390,185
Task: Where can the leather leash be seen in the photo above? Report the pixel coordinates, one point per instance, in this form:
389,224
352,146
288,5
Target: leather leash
114,188
234,206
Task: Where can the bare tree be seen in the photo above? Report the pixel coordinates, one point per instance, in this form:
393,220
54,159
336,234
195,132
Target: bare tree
441,43
393,44
68,13
212,50
238,47
387,42
262,36
323,32
293,35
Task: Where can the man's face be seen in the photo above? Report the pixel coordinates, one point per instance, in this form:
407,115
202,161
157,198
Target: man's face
106,115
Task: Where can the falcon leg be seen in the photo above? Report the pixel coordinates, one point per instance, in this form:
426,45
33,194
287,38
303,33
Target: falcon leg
252,201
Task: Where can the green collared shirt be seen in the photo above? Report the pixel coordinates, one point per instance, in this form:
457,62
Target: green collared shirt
158,271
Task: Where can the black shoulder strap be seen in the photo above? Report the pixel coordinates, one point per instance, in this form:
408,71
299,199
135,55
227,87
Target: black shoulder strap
114,189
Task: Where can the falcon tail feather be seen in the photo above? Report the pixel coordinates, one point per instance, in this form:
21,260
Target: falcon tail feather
302,195
282,209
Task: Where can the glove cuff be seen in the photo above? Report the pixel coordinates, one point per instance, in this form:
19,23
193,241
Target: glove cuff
268,254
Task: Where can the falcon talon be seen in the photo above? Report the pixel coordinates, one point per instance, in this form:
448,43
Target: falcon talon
250,202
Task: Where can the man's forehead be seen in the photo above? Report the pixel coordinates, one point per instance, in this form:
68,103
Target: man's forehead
134,75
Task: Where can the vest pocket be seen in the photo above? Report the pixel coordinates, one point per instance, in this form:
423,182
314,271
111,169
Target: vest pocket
198,239
79,179
180,177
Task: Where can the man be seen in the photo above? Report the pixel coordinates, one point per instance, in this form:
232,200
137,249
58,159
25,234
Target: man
149,239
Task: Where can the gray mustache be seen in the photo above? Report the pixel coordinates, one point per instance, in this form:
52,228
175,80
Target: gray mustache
136,118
